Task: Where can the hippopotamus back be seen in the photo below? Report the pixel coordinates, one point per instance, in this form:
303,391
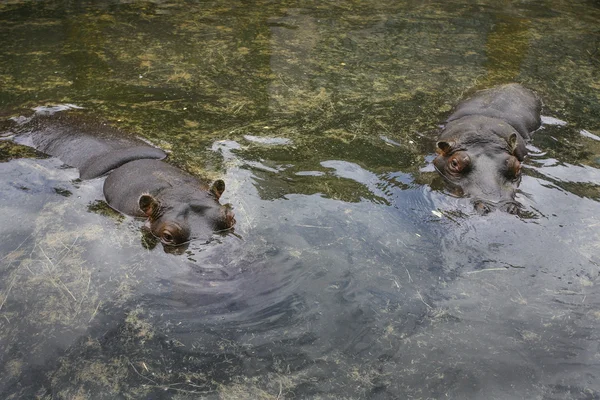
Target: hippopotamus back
511,103
92,147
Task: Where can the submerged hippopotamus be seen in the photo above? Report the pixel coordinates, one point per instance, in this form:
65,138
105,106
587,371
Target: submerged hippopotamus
482,145
178,207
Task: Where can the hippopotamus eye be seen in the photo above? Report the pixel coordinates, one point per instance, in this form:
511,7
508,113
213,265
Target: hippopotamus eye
458,162
167,237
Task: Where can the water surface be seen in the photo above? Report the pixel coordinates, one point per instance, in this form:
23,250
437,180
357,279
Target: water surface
354,273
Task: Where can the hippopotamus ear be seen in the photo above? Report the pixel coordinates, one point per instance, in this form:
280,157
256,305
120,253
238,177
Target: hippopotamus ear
444,147
217,188
516,146
149,205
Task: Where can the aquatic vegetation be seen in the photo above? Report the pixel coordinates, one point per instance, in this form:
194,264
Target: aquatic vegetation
355,272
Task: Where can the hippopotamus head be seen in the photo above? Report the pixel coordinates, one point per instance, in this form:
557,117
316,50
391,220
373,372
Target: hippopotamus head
177,215
178,207
483,144
483,156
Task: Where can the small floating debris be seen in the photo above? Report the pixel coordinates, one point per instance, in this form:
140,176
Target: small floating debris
389,141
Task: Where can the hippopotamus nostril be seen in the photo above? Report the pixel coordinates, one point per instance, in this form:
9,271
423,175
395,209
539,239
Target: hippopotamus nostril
230,219
226,220
511,207
483,207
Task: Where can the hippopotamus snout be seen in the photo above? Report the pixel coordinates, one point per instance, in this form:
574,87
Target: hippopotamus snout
484,207
183,221
175,227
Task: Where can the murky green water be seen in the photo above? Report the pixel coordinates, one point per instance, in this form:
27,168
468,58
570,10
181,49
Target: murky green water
353,273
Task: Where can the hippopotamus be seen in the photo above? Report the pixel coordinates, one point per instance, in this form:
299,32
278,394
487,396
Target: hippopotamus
482,145
177,206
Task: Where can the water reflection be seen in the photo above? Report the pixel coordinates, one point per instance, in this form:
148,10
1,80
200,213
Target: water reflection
355,273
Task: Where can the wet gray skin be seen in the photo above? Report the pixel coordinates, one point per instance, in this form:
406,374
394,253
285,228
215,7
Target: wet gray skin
177,206
482,146
93,147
